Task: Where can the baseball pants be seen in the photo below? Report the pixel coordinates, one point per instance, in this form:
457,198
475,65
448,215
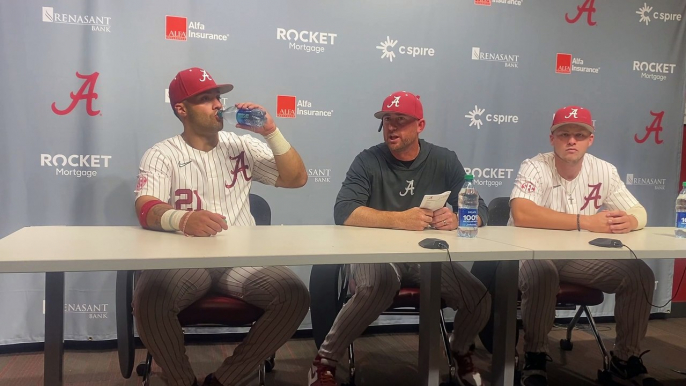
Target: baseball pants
376,286
161,294
632,281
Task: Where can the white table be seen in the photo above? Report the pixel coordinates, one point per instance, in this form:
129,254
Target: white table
56,250
648,243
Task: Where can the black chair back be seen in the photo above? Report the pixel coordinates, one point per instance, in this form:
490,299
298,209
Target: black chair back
259,208
499,211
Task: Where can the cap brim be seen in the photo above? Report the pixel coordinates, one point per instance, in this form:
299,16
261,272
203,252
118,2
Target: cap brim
585,126
380,114
222,88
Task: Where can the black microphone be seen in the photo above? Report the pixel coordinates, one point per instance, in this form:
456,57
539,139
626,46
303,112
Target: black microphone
606,243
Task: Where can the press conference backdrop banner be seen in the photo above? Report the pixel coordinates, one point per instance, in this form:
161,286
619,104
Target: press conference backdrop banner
84,94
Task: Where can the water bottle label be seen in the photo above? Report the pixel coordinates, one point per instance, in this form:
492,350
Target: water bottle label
681,220
468,217
243,117
248,117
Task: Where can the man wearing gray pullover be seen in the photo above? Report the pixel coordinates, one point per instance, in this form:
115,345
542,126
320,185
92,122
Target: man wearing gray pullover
383,189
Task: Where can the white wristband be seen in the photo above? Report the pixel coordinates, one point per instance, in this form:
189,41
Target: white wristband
277,142
171,219
639,212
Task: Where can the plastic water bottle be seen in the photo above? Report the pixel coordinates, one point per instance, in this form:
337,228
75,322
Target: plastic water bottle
468,209
680,230
247,117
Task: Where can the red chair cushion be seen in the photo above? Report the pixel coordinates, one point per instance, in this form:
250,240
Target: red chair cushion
409,297
579,295
220,310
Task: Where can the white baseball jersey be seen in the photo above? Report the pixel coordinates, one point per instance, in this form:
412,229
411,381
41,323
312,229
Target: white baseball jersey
597,185
218,180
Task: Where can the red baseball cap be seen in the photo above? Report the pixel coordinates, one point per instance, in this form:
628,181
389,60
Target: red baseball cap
573,115
193,81
402,102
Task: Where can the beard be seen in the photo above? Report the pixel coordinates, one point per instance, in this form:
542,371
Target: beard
206,123
403,144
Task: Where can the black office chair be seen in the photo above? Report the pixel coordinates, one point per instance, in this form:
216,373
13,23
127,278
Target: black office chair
260,210
569,297
211,310
329,290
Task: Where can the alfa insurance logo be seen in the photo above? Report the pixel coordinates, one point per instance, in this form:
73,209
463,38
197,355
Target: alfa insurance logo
180,29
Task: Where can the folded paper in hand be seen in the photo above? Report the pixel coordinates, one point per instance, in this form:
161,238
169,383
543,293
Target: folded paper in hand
434,201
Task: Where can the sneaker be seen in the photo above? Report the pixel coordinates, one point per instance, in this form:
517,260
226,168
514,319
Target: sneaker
322,372
631,372
467,373
534,373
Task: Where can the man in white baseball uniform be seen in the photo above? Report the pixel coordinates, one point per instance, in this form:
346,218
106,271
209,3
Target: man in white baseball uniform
198,183
384,188
568,189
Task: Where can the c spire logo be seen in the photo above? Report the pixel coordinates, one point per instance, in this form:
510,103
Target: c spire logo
387,48
646,12
474,117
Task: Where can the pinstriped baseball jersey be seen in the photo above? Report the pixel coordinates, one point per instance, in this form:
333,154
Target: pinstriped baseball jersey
597,185
218,180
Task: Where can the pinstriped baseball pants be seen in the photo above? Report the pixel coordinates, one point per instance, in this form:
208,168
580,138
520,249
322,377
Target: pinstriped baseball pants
376,286
161,294
631,280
